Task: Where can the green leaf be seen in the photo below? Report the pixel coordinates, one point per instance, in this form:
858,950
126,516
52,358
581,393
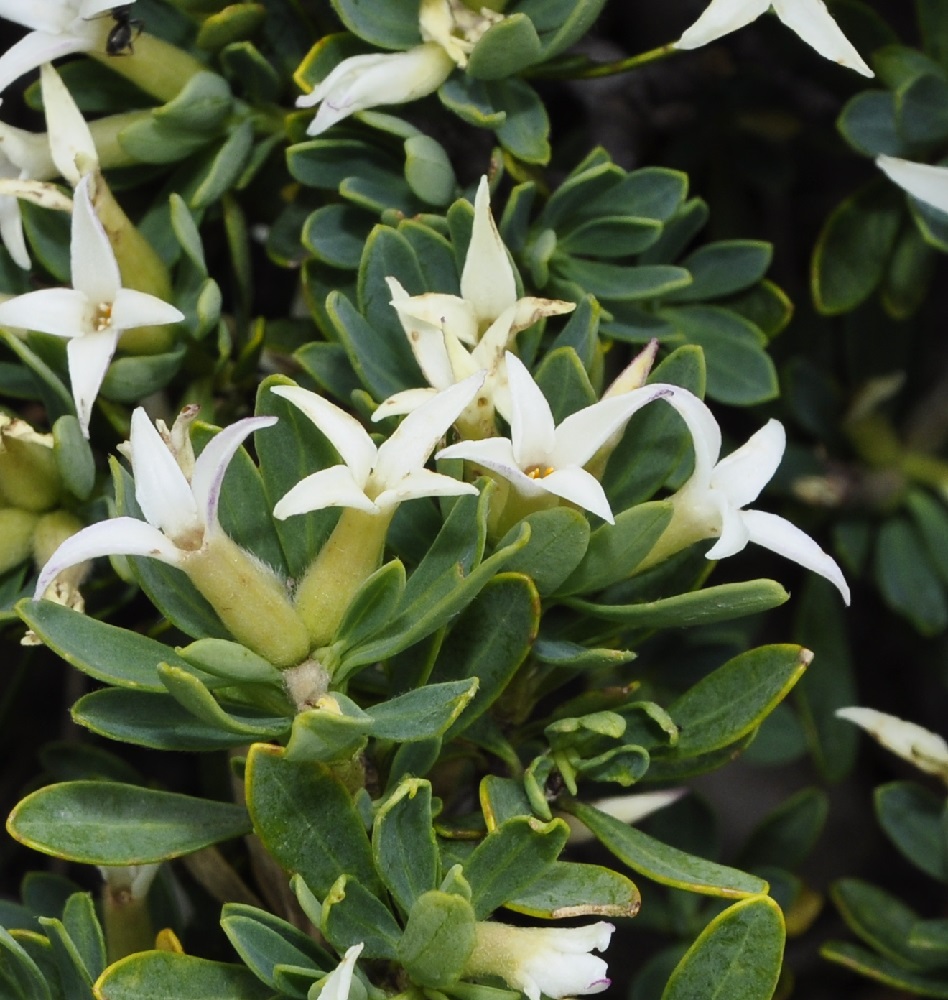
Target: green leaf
616,549
403,842
913,819
148,719
372,606
882,970
618,281
557,543
73,457
568,889
230,661
611,236
108,823
868,123
307,820
489,641
428,170
336,234
505,48
21,971
525,129
922,109
723,268
663,864
740,952
439,938
931,521
563,381
234,22
82,925
829,684
734,699
853,249
510,858
264,941
164,975
882,921
424,713
394,26
702,607
787,835
352,915
906,578
225,167
107,653
740,372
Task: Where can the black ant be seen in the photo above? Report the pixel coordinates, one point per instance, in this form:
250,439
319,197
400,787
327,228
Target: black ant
125,30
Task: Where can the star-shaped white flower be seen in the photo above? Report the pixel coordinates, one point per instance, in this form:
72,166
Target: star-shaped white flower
555,961
454,335
368,81
58,28
540,457
180,513
808,18
921,180
94,312
377,479
711,504
919,746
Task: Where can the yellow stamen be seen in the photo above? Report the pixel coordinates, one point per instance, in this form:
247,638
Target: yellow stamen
539,471
102,317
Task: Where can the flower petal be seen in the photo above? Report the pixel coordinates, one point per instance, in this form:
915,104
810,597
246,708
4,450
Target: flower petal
584,432
119,536
705,432
926,750
70,140
333,487
422,483
95,271
921,180
338,983
733,535
53,16
494,453
11,232
402,403
813,23
415,439
344,432
528,311
132,308
532,430
211,465
88,357
394,78
37,48
720,18
579,487
487,279
437,310
161,489
62,312
788,540
747,470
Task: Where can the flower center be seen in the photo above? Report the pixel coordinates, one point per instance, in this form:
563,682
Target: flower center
539,471
102,316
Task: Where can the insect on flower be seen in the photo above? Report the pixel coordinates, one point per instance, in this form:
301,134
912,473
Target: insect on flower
125,30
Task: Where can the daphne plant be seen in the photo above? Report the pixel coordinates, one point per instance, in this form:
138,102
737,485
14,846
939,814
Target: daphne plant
389,677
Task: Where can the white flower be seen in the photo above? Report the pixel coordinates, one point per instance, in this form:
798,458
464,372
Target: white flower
70,141
94,312
180,515
375,480
540,457
455,26
551,960
362,82
808,18
58,28
710,504
129,882
921,180
486,317
919,746
338,983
